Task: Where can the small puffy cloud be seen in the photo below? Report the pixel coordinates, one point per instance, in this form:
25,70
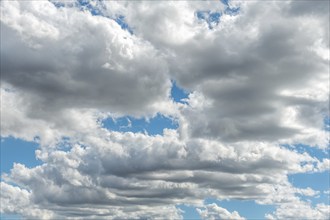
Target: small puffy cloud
213,211
308,192
300,210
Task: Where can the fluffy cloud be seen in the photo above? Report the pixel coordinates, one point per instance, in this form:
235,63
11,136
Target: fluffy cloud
212,211
119,170
15,200
65,58
294,211
264,71
257,80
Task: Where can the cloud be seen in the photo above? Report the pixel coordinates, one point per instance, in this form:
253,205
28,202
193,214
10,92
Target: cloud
16,200
260,82
213,211
257,82
263,78
293,211
121,170
79,60
22,119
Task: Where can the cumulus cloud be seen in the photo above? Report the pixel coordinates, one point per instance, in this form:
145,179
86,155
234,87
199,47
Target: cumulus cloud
80,61
213,211
294,211
260,79
15,200
121,170
264,71
257,81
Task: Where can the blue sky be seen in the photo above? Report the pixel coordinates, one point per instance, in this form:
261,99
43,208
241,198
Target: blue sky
247,126
316,181
17,151
243,207
151,126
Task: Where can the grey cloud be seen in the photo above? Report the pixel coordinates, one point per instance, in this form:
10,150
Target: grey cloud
305,8
119,180
100,67
244,83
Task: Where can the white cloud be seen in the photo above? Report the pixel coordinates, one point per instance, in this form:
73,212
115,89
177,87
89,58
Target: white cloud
213,211
15,200
300,210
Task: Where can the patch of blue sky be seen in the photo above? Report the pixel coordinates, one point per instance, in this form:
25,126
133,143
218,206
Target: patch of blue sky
57,4
214,18
317,199
10,217
323,198
178,94
317,181
211,18
120,19
153,126
313,151
94,7
246,208
17,151
225,2
232,10
188,212
65,144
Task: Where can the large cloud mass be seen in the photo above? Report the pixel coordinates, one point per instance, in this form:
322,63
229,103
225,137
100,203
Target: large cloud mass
258,82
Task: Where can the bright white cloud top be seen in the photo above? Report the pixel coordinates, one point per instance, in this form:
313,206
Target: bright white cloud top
257,78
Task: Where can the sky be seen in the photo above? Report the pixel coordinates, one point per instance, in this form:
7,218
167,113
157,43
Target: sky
165,109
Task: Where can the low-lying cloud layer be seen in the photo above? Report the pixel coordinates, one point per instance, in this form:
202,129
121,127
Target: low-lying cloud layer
258,81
